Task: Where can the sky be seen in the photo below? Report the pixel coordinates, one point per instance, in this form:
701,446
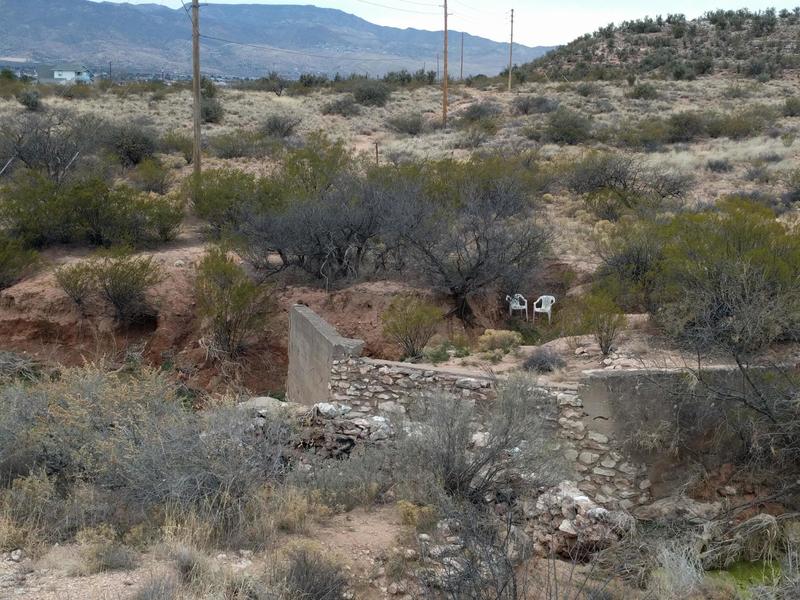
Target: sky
535,23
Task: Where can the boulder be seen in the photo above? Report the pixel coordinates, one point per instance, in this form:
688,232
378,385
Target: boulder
678,507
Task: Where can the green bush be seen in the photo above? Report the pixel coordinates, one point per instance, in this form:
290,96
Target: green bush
410,124
643,91
371,93
791,107
279,126
151,176
222,196
131,143
77,281
727,278
479,112
233,306
15,261
603,318
239,143
123,280
345,107
529,105
565,126
211,110
410,322
174,141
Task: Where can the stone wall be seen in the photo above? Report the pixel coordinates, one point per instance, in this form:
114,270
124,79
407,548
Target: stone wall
313,347
597,414
394,389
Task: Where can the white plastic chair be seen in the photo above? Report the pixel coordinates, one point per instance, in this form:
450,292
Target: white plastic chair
544,304
517,302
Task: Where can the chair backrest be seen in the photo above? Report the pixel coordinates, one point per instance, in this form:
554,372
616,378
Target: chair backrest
521,299
545,302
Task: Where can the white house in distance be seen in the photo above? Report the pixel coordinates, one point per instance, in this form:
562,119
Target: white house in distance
63,74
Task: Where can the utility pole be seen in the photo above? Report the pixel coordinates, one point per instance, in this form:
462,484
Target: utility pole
109,71
511,51
444,82
438,75
196,154
461,73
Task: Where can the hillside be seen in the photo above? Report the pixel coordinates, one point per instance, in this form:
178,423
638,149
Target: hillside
151,37
761,45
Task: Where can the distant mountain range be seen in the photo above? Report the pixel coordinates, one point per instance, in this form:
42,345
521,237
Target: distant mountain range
151,38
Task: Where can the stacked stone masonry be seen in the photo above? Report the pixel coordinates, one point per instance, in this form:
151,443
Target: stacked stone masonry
394,389
603,470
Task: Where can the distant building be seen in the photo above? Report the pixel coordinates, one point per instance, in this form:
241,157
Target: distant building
68,73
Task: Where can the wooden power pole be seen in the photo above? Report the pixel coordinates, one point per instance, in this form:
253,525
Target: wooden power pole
461,72
196,154
444,80
511,51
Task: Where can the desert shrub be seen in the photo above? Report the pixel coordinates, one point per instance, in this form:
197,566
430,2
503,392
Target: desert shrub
198,470
613,182
529,105
679,571
123,280
543,360
630,256
643,91
720,269
442,443
15,261
586,89
30,99
327,231
15,366
499,339
151,176
741,124
193,566
791,107
358,479
77,91
410,322
99,552
131,143
687,126
345,107
792,194
565,126
222,196
158,587
233,306
719,165
371,93
279,126
211,110
410,124
77,281
162,217
174,141
309,574
52,141
603,318
239,143
479,112
472,234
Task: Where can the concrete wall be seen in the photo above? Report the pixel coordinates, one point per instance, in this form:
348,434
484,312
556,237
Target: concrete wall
314,345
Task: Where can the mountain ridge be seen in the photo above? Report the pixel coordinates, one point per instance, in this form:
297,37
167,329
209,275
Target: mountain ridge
299,38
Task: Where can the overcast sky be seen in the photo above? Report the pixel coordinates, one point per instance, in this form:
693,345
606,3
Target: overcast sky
536,23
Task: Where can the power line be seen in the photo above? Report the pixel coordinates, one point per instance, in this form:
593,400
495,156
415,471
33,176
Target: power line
418,12
300,53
